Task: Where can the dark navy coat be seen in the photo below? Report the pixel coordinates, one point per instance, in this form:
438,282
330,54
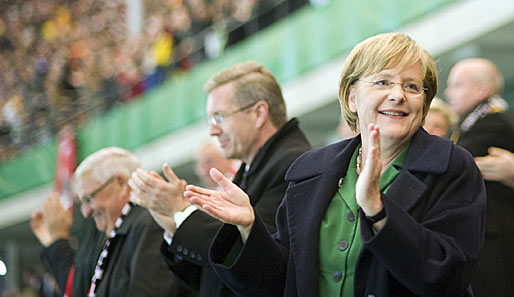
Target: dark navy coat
429,246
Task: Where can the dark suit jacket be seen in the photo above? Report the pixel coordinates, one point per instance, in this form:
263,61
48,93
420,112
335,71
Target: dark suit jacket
135,266
429,246
495,273
188,254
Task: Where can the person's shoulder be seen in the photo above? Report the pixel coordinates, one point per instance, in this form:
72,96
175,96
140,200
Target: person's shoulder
141,219
495,122
460,155
287,146
496,129
314,162
291,138
433,154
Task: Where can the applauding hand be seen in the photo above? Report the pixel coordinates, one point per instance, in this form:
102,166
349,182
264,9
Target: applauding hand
230,205
367,189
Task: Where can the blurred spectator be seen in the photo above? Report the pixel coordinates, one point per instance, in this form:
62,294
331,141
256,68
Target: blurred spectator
473,91
210,156
439,118
345,131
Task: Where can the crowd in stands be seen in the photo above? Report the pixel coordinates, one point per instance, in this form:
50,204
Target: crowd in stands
61,61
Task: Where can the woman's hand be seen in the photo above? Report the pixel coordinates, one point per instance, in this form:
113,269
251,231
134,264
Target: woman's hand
367,188
231,205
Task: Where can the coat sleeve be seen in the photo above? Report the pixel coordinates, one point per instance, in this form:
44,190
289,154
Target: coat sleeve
59,256
260,266
187,254
434,249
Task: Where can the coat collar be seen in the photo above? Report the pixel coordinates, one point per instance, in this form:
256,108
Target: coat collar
130,219
284,131
334,159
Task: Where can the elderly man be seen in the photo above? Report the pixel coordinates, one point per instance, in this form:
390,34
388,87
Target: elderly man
473,91
247,114
129,263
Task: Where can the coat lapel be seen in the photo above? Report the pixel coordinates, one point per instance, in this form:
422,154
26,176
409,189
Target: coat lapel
307,202
409,187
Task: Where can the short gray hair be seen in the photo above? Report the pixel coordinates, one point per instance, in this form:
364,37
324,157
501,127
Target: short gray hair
106,163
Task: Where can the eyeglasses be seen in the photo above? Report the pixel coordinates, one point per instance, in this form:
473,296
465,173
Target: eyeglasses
88,198
218,118
409,88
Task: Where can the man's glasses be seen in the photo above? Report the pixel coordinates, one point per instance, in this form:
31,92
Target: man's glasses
88,198
217,118
409,88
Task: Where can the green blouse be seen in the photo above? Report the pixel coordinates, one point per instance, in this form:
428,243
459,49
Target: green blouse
340,240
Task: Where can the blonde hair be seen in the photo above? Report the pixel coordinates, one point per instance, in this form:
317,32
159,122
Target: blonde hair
104,164
443,108
252,82
385,51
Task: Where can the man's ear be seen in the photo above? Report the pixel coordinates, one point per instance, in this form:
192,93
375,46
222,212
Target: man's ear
262,110
484,90
122,180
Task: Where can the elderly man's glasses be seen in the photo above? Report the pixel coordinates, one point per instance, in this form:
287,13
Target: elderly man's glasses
217,118
409,88
88,198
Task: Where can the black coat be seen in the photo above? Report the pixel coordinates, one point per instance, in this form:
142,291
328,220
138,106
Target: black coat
495,275
429,245
188,254
135,267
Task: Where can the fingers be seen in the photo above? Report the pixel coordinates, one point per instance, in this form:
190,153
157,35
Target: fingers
168,173
134,186
156,175
373,162
221,180
497,151
200,196
36,220
143,179
198,190
206,205
52,205
37,214
141,182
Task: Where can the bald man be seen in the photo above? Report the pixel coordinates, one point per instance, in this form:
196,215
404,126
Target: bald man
473,91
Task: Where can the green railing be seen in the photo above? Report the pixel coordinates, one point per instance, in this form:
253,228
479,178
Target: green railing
310,37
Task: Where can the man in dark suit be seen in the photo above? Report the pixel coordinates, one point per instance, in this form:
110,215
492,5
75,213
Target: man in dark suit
473,90
129,263
247,114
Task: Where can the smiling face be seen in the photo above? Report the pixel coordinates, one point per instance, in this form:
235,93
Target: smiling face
237,133
397,114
